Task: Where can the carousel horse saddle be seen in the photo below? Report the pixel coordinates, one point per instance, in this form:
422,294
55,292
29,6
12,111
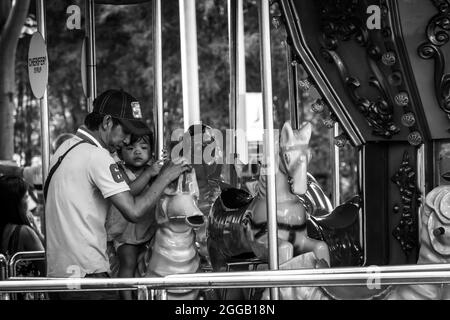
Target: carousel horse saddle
233,198
340,230
341,217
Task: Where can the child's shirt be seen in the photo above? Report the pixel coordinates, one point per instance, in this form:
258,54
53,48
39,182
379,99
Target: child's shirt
121,231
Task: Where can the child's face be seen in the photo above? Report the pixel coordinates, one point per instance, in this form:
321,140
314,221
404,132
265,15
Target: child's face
136,154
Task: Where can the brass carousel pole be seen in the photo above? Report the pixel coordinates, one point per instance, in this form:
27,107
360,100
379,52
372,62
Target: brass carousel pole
91,77
269,137
189,63
158,111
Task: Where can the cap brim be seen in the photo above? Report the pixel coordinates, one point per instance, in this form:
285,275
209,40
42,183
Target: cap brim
136,127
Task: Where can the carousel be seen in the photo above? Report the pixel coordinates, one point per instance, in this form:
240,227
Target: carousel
234,228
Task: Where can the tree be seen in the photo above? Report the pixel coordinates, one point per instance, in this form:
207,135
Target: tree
12,18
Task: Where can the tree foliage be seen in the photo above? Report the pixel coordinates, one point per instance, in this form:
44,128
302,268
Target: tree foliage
124,57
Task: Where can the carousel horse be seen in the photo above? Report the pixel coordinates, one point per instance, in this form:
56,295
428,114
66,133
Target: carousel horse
434,246
173,249
248,215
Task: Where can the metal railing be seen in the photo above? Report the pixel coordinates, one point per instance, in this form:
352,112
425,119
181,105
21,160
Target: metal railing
355,276
20,257
3,267
24,256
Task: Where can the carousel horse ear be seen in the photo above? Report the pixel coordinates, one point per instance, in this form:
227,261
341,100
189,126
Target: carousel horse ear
287,134
161,215
304,133
191,180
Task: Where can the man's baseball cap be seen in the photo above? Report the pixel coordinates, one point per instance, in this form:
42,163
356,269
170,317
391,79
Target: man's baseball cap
125,108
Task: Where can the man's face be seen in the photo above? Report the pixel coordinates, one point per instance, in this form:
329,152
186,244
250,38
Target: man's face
116,137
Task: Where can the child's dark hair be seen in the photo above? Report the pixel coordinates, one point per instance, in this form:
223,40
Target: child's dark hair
12,191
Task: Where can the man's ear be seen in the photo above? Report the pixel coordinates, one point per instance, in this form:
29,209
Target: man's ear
107,122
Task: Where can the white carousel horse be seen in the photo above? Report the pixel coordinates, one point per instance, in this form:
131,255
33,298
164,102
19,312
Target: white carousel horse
173,249
291,182
434,246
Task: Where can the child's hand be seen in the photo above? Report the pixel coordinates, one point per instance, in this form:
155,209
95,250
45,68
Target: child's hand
155,168
164,155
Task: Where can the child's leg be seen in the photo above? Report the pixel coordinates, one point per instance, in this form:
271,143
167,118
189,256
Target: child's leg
128,254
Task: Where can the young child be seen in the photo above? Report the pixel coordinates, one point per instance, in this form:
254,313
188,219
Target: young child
129,238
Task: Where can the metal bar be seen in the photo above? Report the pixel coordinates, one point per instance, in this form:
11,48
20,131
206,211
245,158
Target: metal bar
3,267
292,88
336,173
189,63
277,278
91,77
45,132
161,295
45,129
421,156
158,108
328,271
362,192
269,136
234,85
142,293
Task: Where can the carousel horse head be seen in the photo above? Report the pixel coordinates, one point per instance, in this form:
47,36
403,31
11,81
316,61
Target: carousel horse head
295,155
178,208
435,238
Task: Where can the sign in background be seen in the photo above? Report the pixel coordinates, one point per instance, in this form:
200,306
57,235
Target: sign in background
38,65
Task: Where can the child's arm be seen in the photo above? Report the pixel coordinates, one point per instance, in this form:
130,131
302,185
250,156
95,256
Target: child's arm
138,185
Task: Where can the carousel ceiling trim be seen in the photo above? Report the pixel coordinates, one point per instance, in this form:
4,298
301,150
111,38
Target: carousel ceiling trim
410,117
303,54
340,23
438,36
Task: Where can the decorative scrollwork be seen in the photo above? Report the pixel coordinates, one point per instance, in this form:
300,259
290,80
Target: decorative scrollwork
406,231
341,22
378,113
437,34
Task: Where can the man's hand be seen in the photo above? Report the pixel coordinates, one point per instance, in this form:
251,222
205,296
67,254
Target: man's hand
174,170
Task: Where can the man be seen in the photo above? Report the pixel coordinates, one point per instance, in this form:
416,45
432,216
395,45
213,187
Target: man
87,181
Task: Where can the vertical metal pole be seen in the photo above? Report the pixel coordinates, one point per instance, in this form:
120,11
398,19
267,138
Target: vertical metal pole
292,88
237,82
158,111
45,132
269,137
234,74
336,173
421,159
91,76
362,192
189,63
241,86
45,129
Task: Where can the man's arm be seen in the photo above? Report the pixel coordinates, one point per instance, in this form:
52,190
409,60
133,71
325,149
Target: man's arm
134,209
